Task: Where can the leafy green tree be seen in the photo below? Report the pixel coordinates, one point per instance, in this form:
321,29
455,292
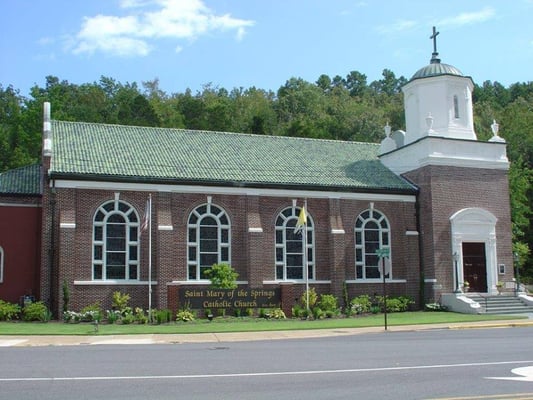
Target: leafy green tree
166,107
356,83
222,276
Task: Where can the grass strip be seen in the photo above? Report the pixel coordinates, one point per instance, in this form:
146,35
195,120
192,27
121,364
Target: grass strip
219,325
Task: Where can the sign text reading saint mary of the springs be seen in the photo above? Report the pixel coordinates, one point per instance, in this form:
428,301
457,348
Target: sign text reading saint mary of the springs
230,298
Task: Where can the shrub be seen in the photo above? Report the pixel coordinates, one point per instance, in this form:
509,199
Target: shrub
361,304
313,297
277,313
435,307
161,316
120,300
8,311
298,311
127,319
185,316
222,276
92,312
70,316
395,304
113,316
140,316
36,312
328,304
318,313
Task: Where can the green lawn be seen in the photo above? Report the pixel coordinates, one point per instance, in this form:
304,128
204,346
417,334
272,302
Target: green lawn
242,324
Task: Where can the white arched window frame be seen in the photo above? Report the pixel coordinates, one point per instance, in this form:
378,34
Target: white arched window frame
372,232
290,249
1,264
208,240
116,242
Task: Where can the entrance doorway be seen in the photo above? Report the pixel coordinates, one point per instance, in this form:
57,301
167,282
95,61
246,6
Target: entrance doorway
475,266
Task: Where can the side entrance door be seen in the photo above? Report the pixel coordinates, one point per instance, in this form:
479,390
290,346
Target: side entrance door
475,266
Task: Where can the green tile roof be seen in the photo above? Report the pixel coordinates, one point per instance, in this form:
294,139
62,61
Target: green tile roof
117,152
21,181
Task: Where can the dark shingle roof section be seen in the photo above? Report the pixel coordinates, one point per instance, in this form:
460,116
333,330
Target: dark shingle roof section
22,181
117,152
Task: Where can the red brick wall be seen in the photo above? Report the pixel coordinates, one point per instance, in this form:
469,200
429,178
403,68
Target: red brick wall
252,253
443,192
20,221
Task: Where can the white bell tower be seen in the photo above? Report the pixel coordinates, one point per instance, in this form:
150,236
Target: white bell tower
439,122
438,101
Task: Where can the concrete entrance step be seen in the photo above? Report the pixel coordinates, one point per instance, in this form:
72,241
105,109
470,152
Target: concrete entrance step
504,304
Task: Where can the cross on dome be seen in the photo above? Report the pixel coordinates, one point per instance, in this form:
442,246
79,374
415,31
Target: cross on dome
434,56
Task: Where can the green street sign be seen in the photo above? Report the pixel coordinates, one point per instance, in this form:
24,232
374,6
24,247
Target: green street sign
383,252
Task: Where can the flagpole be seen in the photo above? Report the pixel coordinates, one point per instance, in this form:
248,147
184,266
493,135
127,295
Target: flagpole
150,257
306,267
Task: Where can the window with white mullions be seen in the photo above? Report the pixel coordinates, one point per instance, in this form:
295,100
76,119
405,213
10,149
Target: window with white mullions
290,247
115,242
372,232
208,240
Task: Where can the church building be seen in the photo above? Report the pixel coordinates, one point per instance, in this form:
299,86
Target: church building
146,211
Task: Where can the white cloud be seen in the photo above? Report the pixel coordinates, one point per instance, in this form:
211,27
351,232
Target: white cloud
135,34
468,18
398,26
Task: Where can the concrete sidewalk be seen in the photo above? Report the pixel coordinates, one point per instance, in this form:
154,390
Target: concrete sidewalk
65,340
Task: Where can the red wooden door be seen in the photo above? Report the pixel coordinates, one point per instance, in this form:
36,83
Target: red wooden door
475,266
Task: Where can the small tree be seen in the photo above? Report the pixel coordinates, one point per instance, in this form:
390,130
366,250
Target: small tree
120,301
222,276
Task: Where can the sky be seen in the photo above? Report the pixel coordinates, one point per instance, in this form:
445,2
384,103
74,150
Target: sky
186,44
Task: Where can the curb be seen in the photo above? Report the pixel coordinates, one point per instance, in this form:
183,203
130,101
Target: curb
66,340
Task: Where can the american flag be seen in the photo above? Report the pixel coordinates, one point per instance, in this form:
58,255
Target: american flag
146,216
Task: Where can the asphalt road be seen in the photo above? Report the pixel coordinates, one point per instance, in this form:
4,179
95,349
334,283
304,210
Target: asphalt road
432,364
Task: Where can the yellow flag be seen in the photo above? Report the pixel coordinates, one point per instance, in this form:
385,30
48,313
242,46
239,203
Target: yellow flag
302,221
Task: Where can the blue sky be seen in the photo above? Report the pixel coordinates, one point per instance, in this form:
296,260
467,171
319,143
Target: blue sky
244,43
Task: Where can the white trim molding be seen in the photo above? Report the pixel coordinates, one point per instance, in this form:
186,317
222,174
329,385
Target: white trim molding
297,282
113,283
237,191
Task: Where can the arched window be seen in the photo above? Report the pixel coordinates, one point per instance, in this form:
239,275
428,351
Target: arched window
1,264
116,242
208,240
290,247
372,232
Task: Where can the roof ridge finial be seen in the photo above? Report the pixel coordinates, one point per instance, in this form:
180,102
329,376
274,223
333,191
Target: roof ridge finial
435,56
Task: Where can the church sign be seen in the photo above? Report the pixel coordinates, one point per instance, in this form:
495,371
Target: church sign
230,298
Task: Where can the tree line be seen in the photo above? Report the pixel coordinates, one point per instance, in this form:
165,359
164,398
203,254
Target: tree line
339,108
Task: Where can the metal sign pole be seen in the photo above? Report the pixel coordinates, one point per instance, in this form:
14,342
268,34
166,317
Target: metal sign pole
383,253
384,291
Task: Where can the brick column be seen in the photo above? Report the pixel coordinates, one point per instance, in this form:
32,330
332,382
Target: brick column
288,296
337,240
255,267
173,297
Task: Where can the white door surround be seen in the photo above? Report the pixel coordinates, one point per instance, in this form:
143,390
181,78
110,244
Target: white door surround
476,225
